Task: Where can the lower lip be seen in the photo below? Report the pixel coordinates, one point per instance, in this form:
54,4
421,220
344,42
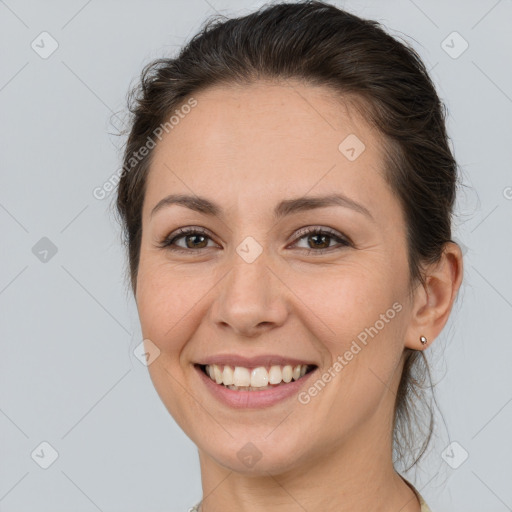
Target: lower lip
253,399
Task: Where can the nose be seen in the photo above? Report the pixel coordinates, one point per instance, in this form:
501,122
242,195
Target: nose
250,299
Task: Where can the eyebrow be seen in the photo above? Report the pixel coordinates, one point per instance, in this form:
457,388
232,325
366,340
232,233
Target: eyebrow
283,209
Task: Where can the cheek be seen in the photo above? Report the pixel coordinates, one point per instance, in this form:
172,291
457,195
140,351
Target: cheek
169,308
363,345
358,315
349,297
167,300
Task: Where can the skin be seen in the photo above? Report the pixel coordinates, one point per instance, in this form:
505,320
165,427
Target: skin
246,148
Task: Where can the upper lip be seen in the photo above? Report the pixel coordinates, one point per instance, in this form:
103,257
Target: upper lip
253,362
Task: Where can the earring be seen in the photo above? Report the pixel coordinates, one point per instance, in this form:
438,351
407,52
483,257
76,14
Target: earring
423,340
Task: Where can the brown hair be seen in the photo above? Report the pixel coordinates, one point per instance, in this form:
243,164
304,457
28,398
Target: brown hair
383,78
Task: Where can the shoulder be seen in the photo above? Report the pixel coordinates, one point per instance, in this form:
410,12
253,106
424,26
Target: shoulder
424,506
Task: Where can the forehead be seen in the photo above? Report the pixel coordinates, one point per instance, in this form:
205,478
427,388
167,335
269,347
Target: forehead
257,144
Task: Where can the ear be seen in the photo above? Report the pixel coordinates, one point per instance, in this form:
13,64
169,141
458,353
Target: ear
433,301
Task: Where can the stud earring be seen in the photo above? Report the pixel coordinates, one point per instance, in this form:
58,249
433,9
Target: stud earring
423,340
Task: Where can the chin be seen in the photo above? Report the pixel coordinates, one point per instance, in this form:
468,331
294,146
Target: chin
255,455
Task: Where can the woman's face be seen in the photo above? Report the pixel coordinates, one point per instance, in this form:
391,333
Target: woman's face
275,277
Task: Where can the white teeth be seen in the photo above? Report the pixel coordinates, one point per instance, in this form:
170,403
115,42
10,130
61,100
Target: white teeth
217,374
275,375
256,378
259,377
227,376
241,376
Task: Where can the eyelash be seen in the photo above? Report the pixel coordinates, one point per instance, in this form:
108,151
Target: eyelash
168,242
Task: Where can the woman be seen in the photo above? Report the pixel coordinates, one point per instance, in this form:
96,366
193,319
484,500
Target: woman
287,196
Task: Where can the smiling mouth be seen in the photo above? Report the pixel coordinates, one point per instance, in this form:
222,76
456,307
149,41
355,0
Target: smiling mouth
239,378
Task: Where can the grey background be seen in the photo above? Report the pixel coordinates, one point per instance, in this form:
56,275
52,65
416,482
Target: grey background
69,327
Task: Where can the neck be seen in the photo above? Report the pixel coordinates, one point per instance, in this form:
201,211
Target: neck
355,476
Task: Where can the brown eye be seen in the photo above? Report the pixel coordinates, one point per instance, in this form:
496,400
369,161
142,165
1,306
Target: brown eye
319,240
195,241
194,238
